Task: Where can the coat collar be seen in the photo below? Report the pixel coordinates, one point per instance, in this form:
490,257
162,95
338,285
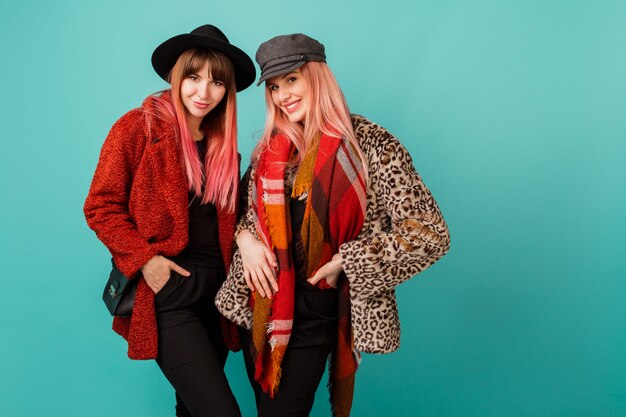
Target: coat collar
164,155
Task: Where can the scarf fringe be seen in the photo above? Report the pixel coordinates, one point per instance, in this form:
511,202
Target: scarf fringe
278,372
280,325
341,395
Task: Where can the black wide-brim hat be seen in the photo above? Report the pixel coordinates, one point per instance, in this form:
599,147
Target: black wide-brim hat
207,36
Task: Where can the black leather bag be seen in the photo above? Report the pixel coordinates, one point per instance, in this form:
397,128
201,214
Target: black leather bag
119,293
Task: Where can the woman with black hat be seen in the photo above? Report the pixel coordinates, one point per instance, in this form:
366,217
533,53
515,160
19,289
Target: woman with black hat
336,217
163,201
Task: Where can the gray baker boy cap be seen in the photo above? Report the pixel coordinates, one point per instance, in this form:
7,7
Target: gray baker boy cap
285,53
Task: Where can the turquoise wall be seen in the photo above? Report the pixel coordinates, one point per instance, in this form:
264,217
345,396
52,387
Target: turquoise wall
514,113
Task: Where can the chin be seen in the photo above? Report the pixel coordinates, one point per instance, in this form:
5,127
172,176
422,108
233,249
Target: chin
296,118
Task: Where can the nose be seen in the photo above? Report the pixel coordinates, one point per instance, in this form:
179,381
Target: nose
204,90
284,94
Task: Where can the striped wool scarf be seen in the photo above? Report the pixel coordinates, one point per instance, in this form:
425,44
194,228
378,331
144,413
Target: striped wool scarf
332,175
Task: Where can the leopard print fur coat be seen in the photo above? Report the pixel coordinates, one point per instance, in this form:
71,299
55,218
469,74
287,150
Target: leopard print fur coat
403,234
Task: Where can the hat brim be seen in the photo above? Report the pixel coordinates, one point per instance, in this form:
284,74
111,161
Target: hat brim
280,70
165,56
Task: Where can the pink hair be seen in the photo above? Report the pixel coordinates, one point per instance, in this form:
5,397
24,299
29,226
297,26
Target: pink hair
327,112
220,175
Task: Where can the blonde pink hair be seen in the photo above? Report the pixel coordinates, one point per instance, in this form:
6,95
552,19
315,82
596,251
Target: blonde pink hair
327,112
219,172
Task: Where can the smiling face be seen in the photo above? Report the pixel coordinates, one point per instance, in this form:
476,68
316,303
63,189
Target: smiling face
290,93
200,94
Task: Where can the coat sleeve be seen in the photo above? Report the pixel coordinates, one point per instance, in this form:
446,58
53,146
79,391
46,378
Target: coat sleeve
410,233
246,214
107,205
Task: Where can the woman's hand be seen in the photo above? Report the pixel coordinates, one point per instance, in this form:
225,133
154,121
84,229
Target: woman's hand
329,272
157,272
259,264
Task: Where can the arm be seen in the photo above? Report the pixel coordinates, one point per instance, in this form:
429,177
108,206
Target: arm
106,207
246,216
257,259
414,234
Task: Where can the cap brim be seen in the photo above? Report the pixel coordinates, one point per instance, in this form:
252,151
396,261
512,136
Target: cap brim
280,70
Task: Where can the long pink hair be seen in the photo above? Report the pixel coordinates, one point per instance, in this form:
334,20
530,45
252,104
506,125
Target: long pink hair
327,112
219,172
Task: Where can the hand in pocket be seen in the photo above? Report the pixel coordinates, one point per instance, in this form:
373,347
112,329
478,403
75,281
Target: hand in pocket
157,272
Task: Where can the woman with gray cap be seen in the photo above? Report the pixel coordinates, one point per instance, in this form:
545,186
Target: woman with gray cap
163,201
336,217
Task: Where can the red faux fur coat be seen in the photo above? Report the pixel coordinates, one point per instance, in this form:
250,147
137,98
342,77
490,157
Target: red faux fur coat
138,207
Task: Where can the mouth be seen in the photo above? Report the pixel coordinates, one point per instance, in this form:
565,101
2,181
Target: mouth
291,107
201,105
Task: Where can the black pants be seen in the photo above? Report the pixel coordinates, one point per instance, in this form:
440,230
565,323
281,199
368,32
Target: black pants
313,338
192,353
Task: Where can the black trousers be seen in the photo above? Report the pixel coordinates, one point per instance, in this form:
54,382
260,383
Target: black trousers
313,338
192,353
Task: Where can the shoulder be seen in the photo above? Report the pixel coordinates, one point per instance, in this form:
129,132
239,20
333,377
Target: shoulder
131,125
128,136
377,142
365,127
130,120
141,125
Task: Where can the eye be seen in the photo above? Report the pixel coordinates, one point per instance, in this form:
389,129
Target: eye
272,87
291,80
218,83
194,77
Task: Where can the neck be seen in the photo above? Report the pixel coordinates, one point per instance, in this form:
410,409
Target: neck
193,123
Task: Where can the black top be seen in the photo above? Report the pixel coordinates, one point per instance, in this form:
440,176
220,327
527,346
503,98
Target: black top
315,310
203,248
297,208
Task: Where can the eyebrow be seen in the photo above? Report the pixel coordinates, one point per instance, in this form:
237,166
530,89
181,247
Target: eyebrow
282,77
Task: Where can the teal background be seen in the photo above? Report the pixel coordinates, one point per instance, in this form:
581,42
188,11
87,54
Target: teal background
514,113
